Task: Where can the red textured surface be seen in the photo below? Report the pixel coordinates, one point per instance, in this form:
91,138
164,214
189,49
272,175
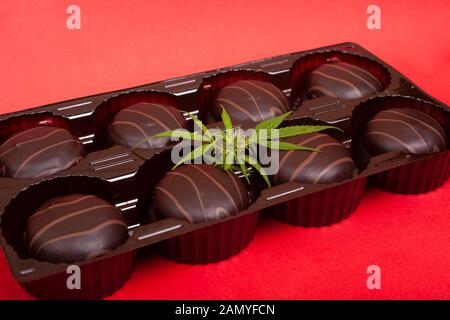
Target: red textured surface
127,43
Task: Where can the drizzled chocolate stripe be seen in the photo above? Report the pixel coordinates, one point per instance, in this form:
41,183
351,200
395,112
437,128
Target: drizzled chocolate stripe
156,113
331,163
238,190
154,119
346,82
185,213
221,213
21,144
272,93
53,223
218,185
39,152
322,90
342,80
404,123
357,69
285,155
15,137
57,205
335,66
131,124
202,193
439,132
55,170
80,233
73,228
403,130
250,100
331,166
30,157
166,111
149,119
194,186
390,136
311,157
238,107
274,111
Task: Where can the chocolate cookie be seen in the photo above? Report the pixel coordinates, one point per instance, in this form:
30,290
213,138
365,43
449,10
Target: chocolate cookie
331,164
250,101
342,80
39,152
404,130
134,125
198,193
74,228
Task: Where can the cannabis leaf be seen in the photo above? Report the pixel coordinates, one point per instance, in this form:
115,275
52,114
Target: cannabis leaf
194,154
272,123
233,149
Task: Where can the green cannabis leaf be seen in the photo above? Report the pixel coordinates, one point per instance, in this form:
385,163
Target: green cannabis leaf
272,123
233,148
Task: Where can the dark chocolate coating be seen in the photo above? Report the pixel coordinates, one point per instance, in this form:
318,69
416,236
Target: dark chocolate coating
74,228
250,101
39,152
342,80
332,164
404,130
132,126
199,192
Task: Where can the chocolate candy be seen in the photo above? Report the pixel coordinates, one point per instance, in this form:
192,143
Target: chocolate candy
250,101
39,152
132,126
332,164
342,80
404,130
198,193
74,228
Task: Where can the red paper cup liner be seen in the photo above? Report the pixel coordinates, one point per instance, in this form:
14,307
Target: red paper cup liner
214,243
98,280
417,177
322,208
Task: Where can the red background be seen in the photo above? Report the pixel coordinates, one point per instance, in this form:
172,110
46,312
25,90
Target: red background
127,43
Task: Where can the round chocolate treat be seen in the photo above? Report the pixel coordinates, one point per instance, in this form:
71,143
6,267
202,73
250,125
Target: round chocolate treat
404,130
74,228
342,80
332,164
250,101
134,125
39,152
199,192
